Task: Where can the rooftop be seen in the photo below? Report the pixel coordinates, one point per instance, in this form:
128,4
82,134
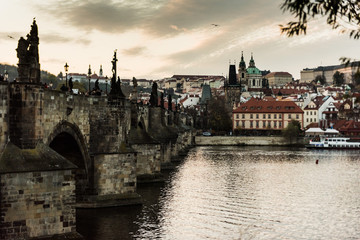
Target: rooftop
255,105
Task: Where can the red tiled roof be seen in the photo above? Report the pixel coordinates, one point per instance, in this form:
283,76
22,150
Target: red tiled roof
289,91
278,74
255,105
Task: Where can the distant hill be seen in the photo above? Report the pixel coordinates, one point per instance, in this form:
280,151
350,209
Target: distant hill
46,77
12,71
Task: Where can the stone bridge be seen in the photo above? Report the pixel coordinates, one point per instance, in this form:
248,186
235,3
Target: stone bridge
77,149
60,151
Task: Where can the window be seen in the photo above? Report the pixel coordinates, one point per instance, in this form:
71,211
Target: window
243,116
242,75
243,124
280,124
237,115
307,113
274,116
257,124
289,116
251,116
307,120
275,124
257,116
269,124
297,116
237,123
264,116
269,116
280,116
251,124
310,112
264,124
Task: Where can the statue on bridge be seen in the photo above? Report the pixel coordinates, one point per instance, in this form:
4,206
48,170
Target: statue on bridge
28,54
169,102
115,91
162,100
154,95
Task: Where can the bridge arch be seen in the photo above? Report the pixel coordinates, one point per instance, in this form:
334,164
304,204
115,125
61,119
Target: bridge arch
141,123
68,140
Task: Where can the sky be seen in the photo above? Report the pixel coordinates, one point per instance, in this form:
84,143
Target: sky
155,39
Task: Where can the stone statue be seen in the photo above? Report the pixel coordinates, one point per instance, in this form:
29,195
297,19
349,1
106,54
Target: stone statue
28,54
162,100
134,94
71,85
154,96
115,91
135,82
97,88
169,102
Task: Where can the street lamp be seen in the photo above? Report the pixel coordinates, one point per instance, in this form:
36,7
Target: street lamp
89,75
106,80
6,75
66,67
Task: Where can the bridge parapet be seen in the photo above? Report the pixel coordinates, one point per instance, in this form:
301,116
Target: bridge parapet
4,114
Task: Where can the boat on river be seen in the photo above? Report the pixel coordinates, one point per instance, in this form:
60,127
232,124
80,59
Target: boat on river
334,143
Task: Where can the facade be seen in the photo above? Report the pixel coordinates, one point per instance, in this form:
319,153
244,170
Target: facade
253,75
309,74
278,78
257,114
311,114
170,83
232,88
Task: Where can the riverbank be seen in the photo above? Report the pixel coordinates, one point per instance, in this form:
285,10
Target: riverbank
247,141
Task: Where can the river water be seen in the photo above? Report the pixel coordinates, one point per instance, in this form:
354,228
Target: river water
242,193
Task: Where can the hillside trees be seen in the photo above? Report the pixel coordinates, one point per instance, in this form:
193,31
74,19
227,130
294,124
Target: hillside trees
219,115
338,78
292,131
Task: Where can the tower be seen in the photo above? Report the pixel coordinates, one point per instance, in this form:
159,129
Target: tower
232,88
242,71
254,76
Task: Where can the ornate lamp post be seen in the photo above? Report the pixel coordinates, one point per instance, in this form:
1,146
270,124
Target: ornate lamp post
89,75
66,67
106,80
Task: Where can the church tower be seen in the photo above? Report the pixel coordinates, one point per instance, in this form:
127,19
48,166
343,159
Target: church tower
242,71
232,88
254,76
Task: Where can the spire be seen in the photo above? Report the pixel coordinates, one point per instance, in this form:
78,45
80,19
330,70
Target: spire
101,71
242,64
252,62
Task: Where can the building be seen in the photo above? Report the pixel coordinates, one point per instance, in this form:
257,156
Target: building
232,88
278,78
253,75
309,74
262,115
311,113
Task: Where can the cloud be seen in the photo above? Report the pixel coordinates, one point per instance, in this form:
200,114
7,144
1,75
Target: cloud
134,51
161,18
104,16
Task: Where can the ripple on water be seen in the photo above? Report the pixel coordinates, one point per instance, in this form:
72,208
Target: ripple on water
259,193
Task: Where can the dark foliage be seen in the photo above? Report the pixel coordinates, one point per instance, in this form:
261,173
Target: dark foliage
341,14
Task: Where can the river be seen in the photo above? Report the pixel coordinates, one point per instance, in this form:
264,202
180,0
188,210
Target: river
242,193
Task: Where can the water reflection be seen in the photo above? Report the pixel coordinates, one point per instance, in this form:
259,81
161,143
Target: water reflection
247,193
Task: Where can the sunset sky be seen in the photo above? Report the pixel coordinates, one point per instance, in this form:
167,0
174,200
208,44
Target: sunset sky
159,38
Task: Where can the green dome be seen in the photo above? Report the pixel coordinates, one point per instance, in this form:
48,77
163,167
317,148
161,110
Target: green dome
253,70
